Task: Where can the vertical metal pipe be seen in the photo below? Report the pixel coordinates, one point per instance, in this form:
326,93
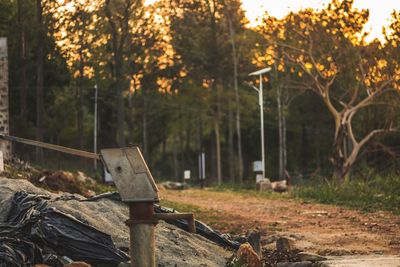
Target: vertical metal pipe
95,125
262,125
142,234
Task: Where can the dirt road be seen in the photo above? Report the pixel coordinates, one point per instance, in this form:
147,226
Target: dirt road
323,229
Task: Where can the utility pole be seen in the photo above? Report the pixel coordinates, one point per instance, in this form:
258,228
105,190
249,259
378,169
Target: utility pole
5,146
95,125
261,103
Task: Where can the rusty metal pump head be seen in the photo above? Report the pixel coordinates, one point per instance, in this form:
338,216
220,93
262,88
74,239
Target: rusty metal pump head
130,173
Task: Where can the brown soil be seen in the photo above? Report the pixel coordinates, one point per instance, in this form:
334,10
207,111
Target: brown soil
323,229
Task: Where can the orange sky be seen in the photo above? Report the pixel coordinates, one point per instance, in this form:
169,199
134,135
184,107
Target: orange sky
379,10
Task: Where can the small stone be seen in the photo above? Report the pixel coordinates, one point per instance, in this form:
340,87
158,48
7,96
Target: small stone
306,256
295,264
280,186
284,244
264,185
247,256
254,240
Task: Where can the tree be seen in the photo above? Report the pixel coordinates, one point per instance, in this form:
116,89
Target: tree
121,14
39,75
328,51
74,30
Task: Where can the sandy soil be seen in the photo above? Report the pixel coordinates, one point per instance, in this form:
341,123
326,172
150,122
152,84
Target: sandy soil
323,229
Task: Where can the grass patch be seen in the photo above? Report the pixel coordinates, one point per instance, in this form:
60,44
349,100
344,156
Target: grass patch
248,189
368,195
180,207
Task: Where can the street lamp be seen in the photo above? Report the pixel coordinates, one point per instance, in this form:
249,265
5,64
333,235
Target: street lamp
95,125
261,103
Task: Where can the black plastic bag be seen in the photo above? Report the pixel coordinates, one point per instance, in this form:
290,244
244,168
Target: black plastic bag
44,227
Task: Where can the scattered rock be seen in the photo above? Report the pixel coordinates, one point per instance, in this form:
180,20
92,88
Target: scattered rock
317,213
280,186
306,256
295,264
254,239
271,239
272,257
41,265
83,178
284,244
174,185
247,256
63,181
264,185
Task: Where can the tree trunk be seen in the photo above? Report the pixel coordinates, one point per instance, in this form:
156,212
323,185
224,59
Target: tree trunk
338,158
23,67
120,99
175,155
280,127
231,151
304,148
131,119
79,107
236,87
39,78
318,147
284,141
218,151
144,118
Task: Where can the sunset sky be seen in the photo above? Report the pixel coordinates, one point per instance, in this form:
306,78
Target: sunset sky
379,10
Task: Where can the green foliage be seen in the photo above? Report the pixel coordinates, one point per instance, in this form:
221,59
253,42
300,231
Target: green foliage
181,207
379,193
176,77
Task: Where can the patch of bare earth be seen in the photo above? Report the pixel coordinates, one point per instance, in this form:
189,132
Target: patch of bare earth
323,229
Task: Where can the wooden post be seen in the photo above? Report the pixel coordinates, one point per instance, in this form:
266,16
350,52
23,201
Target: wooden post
5,146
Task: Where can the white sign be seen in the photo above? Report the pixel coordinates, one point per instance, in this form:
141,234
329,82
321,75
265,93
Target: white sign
202,166
257,166
186,174
3,47
1,162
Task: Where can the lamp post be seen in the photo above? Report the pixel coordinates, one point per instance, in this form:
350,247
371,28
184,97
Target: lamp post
95,124
260,73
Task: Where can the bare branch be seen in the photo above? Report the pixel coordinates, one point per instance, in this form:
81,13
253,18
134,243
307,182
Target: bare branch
374,133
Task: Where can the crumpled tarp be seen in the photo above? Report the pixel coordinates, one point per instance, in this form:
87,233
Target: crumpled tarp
201,228
36,233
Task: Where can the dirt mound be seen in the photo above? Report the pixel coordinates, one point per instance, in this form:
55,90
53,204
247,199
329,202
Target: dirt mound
175,247
62,181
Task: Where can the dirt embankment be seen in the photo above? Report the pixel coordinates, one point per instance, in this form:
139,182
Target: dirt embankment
323,229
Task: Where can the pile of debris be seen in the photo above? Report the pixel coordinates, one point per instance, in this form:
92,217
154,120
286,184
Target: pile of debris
284,255
54,181
53,228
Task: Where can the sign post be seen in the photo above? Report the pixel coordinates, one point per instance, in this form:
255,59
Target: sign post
202,168
5,146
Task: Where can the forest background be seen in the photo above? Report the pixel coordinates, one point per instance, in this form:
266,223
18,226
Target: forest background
172,78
